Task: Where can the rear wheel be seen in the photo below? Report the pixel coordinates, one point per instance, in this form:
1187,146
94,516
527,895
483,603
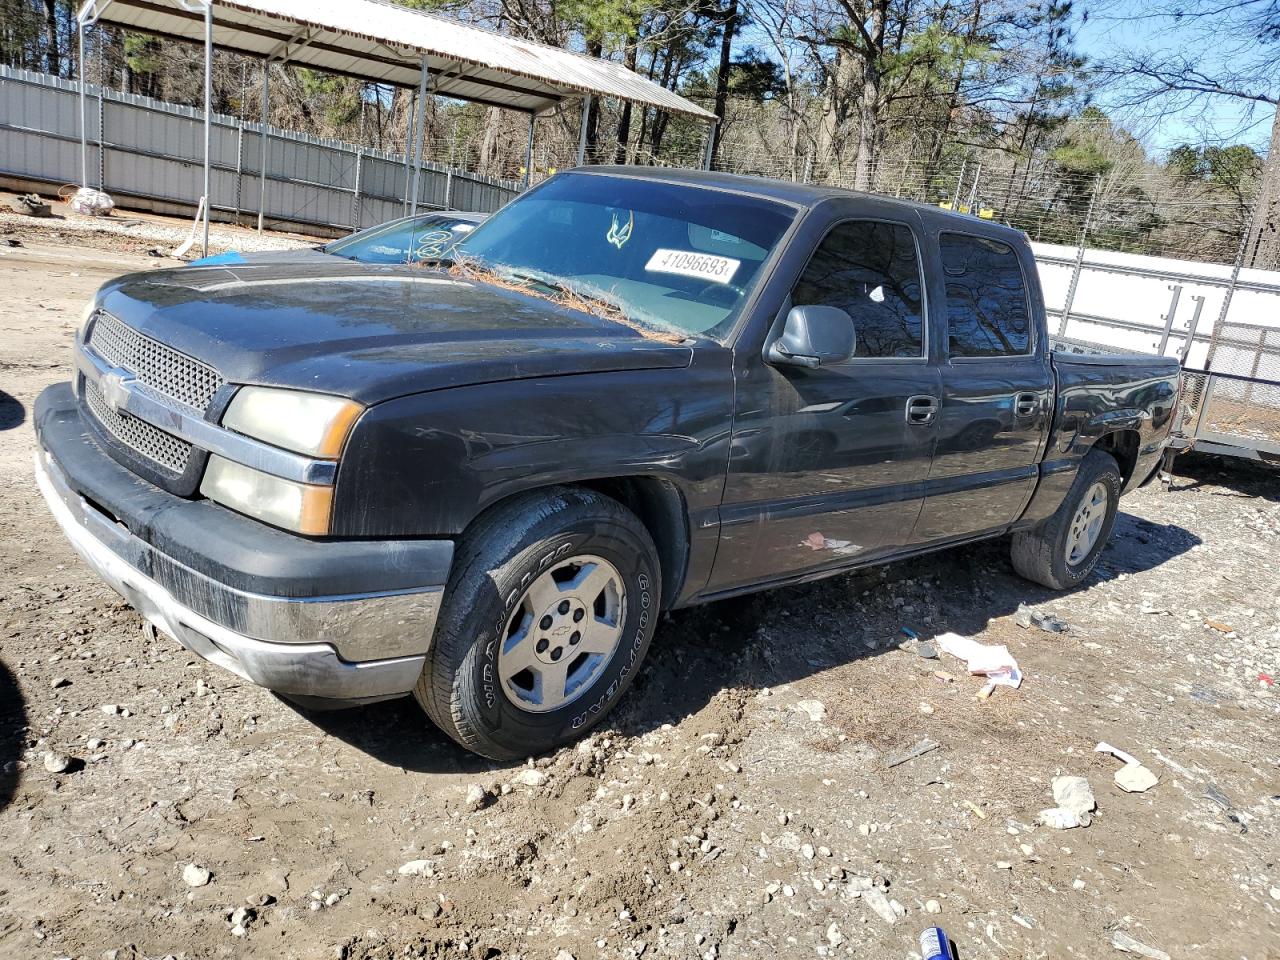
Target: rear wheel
547,616
1062,551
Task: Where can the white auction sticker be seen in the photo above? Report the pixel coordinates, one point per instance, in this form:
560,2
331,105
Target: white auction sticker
686,263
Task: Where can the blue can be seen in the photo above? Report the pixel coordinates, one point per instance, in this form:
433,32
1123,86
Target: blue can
934,945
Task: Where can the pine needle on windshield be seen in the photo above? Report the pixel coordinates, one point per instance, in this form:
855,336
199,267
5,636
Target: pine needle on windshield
563,296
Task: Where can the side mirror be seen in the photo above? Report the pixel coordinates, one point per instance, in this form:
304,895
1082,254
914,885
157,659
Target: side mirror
812,336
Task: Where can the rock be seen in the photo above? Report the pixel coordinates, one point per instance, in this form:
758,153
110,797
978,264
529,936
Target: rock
878,902
59,682
834,936
1059,819
477,797
417,868
932,906
57,762
1123,942
1135,778
815,710
676,866
1275,893
807,851
194,875
110,709
1074,794
565,955
531,777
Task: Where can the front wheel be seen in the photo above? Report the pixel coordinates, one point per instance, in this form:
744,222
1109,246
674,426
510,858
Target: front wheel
546,619
1062,551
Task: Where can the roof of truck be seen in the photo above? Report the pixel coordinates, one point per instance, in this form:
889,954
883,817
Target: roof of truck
800,194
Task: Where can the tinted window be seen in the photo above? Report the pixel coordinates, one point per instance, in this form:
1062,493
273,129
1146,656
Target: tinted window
870,270
986,298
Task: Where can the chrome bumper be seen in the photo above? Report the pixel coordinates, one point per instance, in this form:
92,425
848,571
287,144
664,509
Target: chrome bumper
285,656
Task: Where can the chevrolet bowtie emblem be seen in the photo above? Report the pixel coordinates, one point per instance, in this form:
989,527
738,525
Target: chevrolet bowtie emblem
115,387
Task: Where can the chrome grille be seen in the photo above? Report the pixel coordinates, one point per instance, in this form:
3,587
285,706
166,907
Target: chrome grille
138,435
154,364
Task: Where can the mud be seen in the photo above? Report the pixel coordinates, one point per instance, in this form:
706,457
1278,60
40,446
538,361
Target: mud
713,815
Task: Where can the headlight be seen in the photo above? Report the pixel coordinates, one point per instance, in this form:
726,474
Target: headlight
300,507
312,423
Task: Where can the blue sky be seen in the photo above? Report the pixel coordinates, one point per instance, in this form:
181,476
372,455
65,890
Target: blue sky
1115,27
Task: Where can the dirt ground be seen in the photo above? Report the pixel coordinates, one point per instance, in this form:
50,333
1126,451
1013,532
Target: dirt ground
740,803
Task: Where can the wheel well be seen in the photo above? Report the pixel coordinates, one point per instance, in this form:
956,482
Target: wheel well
1123,445
660,507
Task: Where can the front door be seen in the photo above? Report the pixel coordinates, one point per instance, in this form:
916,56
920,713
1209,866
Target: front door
997,390
827,465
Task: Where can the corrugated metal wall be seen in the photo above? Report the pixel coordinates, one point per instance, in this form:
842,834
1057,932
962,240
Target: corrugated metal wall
149,149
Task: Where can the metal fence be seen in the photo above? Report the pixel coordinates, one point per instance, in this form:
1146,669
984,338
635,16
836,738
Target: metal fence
152,152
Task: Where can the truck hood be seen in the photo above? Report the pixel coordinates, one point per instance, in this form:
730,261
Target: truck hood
372,332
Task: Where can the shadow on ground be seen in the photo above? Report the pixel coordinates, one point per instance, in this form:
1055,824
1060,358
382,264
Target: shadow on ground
1239,477
781,636
13,732
12,412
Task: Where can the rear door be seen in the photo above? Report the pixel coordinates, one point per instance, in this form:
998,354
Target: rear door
996,389
827,466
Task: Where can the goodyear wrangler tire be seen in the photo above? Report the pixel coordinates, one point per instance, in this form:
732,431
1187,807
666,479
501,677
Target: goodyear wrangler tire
1062,550
547,616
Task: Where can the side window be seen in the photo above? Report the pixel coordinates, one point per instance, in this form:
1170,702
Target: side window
987,314
870,270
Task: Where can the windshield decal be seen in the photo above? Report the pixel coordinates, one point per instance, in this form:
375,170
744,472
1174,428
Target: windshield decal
687,263
619,233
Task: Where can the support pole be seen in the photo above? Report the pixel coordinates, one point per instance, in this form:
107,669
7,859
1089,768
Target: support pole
955,197
712,127
973,190
418,137
582,131
84,136
208,110
528,153
266,116
408,150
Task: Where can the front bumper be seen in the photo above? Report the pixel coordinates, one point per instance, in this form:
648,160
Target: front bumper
332,646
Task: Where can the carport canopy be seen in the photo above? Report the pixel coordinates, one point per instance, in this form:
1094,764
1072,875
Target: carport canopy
380,42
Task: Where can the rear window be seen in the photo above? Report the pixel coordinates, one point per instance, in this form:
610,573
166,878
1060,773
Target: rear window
673,256
987,312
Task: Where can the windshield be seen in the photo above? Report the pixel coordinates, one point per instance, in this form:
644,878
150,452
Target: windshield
676,257
410,240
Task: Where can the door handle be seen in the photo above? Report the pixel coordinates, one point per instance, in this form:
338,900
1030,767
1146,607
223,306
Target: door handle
1026,404
921,410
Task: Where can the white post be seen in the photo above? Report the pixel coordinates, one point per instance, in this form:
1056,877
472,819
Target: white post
711,144
84,136
266,115
208,109
582,132
408,151
418,137
528,154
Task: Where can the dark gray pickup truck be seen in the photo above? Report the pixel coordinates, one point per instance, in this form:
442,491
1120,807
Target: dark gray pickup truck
480,480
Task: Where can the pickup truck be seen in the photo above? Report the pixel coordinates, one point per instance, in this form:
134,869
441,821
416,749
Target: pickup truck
479,480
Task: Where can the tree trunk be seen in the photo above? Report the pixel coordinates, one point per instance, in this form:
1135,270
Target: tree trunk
594,49
868,126
722,75
1263,250
52,54
624,122
489,159
833,129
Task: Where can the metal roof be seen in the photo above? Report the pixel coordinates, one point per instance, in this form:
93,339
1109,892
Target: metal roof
380,42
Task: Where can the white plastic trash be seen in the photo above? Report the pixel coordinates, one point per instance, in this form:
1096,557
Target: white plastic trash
91,203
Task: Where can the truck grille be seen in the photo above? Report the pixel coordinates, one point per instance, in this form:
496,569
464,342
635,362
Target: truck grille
159,367
139,436
155,365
